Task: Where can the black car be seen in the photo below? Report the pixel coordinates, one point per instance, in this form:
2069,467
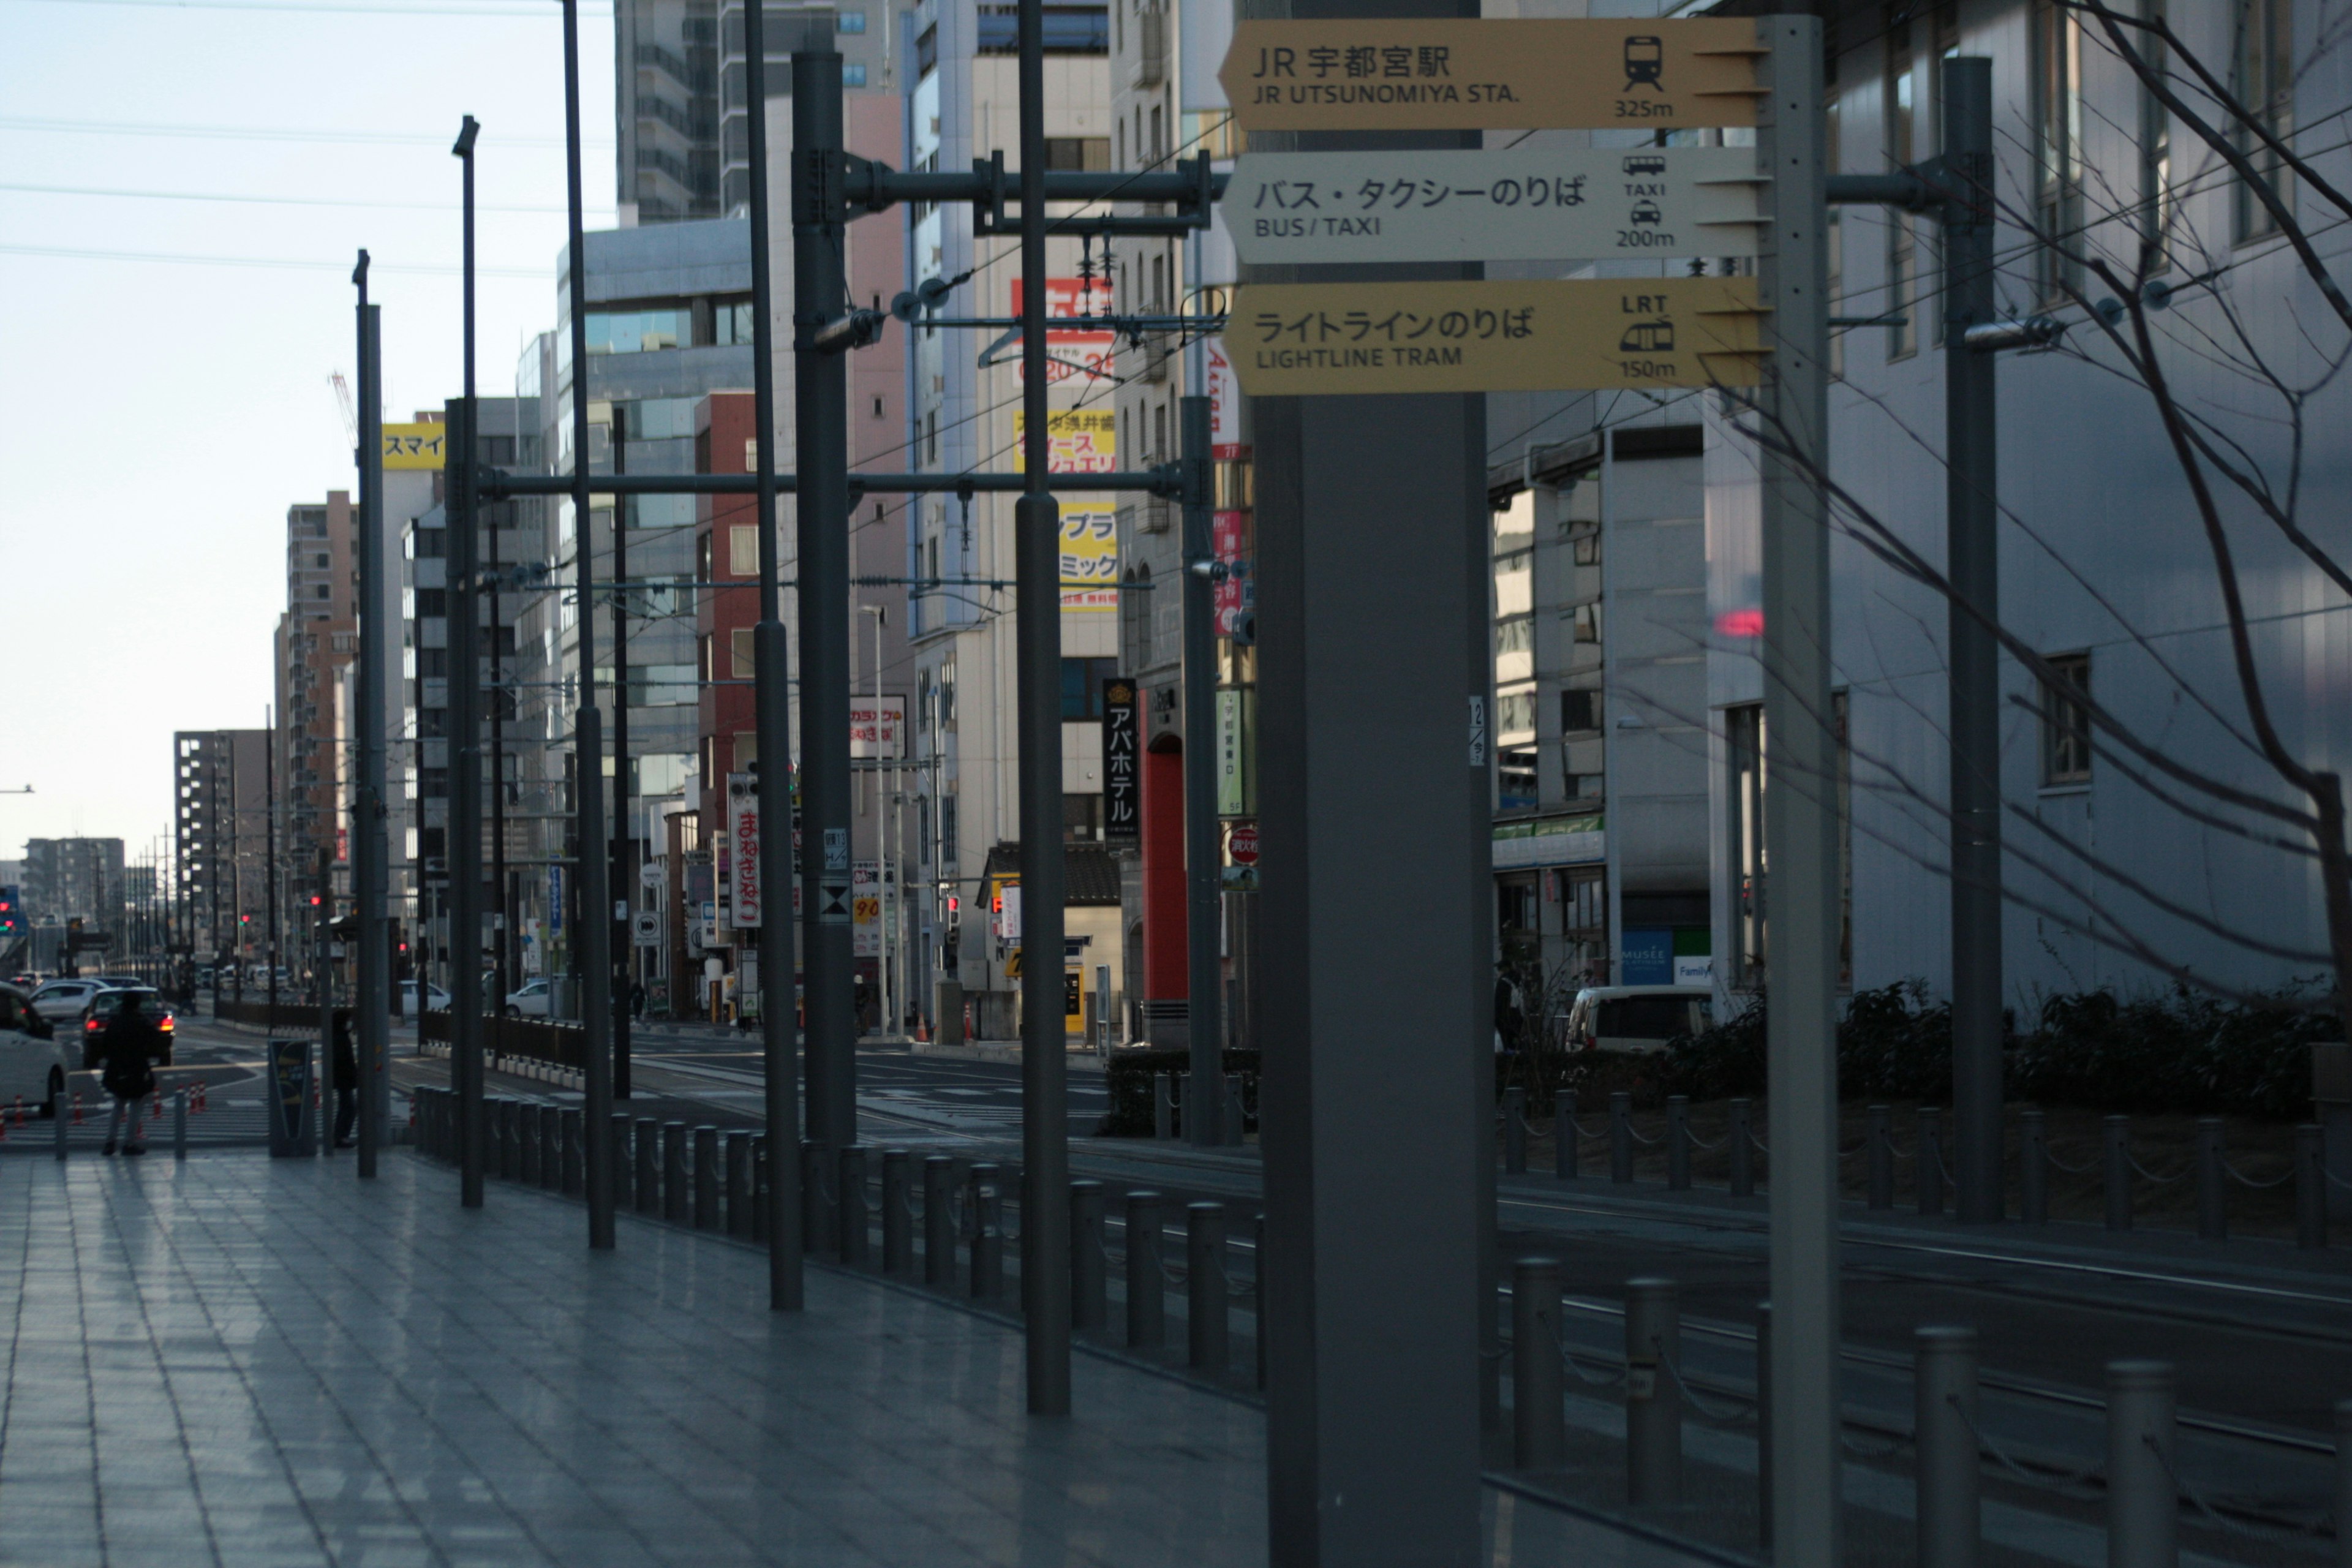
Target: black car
101,1013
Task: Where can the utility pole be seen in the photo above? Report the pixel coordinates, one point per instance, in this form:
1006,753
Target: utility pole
816,109
269,846
821,379
1203,856
370,850
594,963
1037,655
1973,565
624,880
1800,826
463,843
501,696
321,946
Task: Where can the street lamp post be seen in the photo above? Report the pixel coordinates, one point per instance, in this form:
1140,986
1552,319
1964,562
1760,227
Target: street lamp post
464,842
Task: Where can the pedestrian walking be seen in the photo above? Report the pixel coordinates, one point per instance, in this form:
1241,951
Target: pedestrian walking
127,1052
637,1000
346,1067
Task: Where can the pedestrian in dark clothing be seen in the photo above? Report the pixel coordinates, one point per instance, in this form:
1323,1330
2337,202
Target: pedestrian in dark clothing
347,1082
637,1000
126,1056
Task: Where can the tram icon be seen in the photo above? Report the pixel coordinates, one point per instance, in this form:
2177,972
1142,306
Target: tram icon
1645,60
1648,338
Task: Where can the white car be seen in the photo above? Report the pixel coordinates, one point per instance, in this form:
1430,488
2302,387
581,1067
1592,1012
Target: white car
62,1001
32,1061
1639,1018
532,1002
434,998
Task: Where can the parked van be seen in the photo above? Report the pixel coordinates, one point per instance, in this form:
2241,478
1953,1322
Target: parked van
1637,1017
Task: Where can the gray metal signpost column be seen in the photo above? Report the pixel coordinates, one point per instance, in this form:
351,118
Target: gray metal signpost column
1972,564
592,967
821,416
370,852
1800,809
1037,643
463,832
1203,856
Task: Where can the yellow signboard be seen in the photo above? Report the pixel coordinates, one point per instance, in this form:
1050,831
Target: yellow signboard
1090,560
1079,440
1290,340
414,445
1506,74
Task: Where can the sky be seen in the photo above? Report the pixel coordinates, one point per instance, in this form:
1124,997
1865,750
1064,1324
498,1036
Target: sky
165,361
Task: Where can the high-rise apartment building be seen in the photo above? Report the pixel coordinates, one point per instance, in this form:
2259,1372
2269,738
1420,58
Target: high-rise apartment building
316,641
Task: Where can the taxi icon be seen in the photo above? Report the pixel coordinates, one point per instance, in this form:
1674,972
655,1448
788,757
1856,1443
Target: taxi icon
1647,212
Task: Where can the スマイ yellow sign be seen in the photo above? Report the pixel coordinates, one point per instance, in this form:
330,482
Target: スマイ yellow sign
415,446
1290,340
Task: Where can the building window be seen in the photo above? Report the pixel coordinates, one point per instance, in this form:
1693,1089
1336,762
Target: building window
850,22
1580,710
947,829
1078,154
2154,156
1902,230
1516,782
744,549
1081,818
324,590
1587,620
948,696
853,72
1515,713
1069,30
2058,116
2066,724
1514,648
2265,88
739,645
1082,686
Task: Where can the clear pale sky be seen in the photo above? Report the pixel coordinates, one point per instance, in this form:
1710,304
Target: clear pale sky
158,417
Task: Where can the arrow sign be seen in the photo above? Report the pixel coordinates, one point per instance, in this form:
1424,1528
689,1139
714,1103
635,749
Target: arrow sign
1584,203
1498,336
1508,74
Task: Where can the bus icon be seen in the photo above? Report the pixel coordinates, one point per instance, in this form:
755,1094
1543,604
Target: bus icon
1644,164
1648,338
1645,60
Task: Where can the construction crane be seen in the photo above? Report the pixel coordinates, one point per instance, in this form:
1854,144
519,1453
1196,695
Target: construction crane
350,415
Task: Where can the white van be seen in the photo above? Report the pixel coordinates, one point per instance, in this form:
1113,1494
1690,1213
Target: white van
1637,1017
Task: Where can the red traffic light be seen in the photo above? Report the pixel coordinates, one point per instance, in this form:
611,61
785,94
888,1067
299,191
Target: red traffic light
954,903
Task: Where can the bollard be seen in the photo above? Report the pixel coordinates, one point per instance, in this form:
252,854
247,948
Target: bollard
1163,1105
854,1235
1620,1137
1879,1141
1567,1158
2032,1171
2310,1188
938,1221
1678,1143
1743,1149
179,1127
2143,1503
673,1173
816,1203
706,1178
1949,1515
569,1126
1147,1305
1764,1425
1089,1287
761,1224
1515,1132
617,1175
59,1124
2115,1136
526,1144
1653,1406
735,1158
511,1139
1206,1333
551,1147
1927,1172
898,1214
1539,1419
2344,1482
2212,1182
987,1236
1233,1128
648,1180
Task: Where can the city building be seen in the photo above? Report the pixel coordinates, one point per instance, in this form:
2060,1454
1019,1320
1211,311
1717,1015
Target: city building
965,419
221,807
68,880
316,642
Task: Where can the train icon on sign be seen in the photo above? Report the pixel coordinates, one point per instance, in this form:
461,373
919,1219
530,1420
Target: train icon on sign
1645,61
1648,338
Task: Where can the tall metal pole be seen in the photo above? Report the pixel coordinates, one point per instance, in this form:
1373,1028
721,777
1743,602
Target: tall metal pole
1037,653
1203,881
772,696
1972,562
464,841
370,850
1801,808
270,843
501,696
821,416
593,964
321,950
624,880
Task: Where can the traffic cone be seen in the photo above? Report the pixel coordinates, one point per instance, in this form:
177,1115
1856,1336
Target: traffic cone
77,1102
923,1031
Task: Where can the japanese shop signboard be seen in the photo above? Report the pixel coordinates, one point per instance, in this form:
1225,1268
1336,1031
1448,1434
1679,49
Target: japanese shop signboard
743,839
1507,335
1083,356
884,738
414,445
1447,74
1502,205
1122,755
1089,561
1078,440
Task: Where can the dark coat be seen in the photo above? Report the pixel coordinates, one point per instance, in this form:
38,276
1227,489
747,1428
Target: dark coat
346,1060
127,1052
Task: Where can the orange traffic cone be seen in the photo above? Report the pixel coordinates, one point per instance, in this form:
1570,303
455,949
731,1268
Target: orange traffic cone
923,1031
76,1108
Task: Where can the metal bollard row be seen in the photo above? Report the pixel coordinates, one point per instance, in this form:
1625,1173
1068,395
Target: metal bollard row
1147,1310
706,1178
1653,1405
735,1154
1090,1262
987,1233
1539,1419
938,1221
1207,1328
851,1203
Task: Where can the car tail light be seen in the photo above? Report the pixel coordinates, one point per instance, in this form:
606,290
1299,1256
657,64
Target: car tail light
90,1025
166,1025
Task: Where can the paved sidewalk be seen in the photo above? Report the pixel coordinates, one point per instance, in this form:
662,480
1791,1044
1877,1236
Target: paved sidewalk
243,1361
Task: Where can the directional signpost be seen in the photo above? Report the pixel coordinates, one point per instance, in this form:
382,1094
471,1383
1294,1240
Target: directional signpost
1519,204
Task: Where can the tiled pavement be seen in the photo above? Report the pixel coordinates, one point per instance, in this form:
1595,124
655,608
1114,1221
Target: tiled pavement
248,1363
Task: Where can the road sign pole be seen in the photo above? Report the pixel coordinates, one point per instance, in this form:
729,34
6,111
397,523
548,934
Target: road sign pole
1801,810
1973,566
1205,1009
370,854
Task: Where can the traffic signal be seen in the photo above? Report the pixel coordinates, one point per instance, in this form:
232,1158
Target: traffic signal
9,917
